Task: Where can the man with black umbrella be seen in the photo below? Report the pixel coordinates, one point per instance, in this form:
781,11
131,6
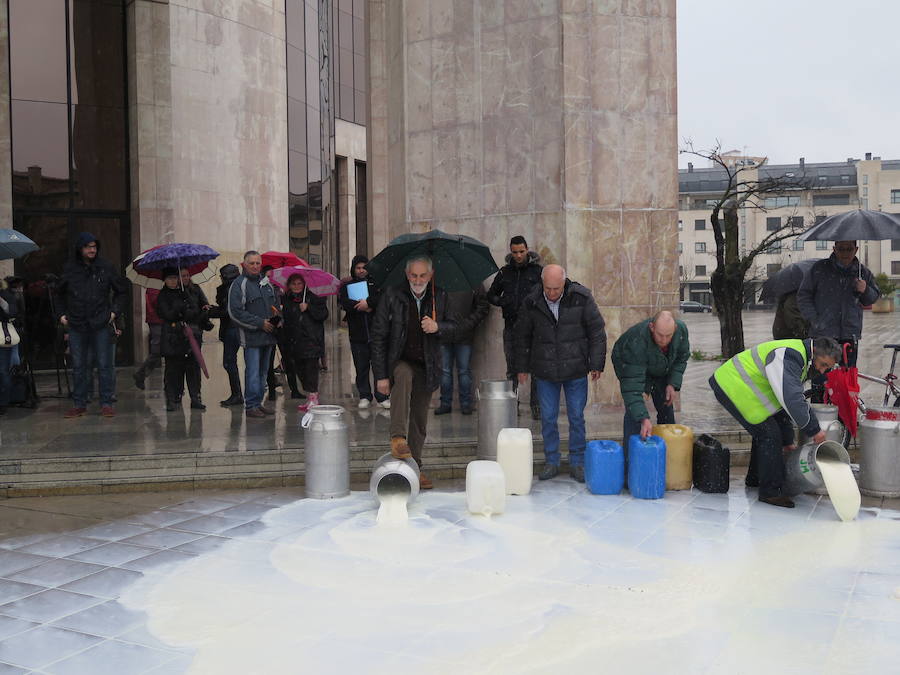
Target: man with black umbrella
406,355
832,296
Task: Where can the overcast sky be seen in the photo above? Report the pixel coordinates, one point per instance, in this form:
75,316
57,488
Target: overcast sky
790,78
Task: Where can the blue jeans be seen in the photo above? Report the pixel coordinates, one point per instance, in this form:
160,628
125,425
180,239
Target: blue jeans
256,367
6,354
665,414
576,399
461,354
81,344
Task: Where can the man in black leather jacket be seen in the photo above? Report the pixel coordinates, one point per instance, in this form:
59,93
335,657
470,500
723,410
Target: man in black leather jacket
511,285
89,297
406,355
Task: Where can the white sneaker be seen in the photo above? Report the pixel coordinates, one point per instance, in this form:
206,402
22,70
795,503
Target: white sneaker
386,404
363,403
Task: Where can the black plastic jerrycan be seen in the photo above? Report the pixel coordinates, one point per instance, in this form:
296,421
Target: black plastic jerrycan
712,463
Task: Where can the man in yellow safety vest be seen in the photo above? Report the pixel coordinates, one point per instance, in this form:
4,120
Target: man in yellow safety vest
762,389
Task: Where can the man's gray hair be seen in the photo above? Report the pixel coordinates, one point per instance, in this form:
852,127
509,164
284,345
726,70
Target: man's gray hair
827,348
544,270
422,259
249,253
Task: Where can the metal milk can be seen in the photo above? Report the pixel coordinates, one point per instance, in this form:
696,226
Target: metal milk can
801,471
828,420
327,452
496,410
879,456
391,476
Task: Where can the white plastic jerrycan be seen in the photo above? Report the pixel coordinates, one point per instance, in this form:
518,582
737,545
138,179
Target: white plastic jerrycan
485,487
515,455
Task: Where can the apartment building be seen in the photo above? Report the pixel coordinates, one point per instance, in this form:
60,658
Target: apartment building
828,188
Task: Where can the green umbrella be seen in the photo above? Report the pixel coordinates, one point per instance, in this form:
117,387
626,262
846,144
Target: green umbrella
461,263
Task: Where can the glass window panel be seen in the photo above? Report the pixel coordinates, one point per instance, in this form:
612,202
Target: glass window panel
359,35
294,28
296,73
345,26
40,139
345,6
312,31
359,8
315,171
346,104
296,125
312,82
98,152
345,60
313,133
37,50
360,106
297,176
98,62
359,72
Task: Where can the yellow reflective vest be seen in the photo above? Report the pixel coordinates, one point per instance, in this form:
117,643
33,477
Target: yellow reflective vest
753,379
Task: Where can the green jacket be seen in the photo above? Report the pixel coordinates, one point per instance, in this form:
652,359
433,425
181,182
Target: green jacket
636,358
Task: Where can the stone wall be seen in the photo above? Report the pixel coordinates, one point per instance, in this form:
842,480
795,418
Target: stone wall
554,120
6,266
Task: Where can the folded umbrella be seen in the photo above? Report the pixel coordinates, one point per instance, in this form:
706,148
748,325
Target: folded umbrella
15,244
842,390
317,281
277,259
195,348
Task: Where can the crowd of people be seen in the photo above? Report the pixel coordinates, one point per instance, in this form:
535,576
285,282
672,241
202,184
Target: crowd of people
410,340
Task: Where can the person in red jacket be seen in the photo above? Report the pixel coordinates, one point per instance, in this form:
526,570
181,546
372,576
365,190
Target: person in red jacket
154,323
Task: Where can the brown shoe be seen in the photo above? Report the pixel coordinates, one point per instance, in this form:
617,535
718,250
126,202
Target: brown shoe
75,412
400,448
108,411
266,411
425,482
783,502
256,413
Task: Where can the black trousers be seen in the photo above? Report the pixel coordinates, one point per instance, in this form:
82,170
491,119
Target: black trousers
181,370
362,363
766,452
508,348
307,371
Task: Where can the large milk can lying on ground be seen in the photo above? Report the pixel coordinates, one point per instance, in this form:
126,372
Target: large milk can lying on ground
801,468
879,457
326,452
392,476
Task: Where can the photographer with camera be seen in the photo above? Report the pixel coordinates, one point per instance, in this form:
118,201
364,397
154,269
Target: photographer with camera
250,301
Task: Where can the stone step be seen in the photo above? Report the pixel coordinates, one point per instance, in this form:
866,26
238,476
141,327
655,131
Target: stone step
257,468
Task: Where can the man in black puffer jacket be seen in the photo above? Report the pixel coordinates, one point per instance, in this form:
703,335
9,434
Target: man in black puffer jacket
406,355
559,339
516,279
89,297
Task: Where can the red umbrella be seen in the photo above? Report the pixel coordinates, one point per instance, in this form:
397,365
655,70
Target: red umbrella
276,259
843,391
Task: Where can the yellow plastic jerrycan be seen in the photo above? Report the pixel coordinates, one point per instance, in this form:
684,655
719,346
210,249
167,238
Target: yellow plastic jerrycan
679,454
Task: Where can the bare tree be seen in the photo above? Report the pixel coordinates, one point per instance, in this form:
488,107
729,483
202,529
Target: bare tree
728,279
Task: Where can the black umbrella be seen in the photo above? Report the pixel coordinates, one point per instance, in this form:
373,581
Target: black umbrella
461,263
860,225
786,280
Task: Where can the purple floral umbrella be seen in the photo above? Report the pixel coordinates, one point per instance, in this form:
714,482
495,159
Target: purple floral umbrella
175,255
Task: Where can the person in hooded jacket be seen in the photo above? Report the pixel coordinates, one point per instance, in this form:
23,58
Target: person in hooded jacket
512,284
228,334
89,296
303,332
9,309
181,303
360,314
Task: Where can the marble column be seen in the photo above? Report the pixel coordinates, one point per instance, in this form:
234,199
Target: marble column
6,266
555,120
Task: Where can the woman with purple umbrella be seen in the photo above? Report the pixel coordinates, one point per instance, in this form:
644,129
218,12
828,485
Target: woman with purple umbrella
304,315
181,303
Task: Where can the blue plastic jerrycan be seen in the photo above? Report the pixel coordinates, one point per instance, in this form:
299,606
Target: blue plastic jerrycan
647,467
604,467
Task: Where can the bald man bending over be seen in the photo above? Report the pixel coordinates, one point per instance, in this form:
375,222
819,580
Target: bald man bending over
650,358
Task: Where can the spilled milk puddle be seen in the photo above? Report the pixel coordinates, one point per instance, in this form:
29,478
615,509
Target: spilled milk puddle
533,590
